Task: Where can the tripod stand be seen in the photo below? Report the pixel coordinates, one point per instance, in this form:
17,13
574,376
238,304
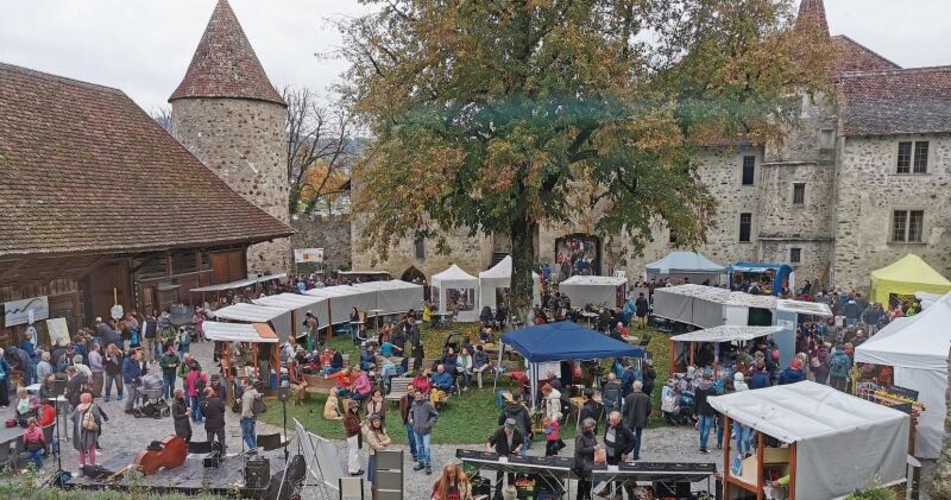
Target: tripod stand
56,479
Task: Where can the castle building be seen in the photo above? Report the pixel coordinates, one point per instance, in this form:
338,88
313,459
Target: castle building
227,113
859,183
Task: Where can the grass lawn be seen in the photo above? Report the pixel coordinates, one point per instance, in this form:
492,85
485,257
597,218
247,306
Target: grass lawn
469,419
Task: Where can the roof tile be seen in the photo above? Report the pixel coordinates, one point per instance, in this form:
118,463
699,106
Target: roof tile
892,102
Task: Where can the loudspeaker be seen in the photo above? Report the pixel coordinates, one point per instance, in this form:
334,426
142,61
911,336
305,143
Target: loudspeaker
257,473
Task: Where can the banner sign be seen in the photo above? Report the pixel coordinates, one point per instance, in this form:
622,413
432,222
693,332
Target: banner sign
21,312
315,255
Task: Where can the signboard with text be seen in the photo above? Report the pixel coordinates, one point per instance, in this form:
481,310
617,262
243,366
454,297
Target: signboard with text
21,312
311,255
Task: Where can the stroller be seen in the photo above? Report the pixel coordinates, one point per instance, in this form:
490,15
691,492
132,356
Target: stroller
155,406
677,406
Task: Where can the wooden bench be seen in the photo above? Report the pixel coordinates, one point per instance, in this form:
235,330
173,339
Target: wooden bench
398,388
317,384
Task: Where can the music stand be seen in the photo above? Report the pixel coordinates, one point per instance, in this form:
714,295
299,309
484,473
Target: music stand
57,391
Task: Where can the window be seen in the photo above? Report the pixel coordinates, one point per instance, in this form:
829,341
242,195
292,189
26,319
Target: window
908,226
420,249
749,168
795,255
746,226
799,193
921,157
673,237
916,163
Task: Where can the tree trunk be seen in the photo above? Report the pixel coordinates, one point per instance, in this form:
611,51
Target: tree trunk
941,488
523,260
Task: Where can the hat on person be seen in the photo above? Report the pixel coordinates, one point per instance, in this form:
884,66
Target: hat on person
795,364
510,422
375,416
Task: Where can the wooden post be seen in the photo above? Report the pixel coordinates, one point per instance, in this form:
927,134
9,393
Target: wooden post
727,422
692,349
793,456
671,358
760,445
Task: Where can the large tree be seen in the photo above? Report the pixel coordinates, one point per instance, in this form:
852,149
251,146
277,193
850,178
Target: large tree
492,115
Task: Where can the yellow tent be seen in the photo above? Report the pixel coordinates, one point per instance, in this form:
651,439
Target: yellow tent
905,277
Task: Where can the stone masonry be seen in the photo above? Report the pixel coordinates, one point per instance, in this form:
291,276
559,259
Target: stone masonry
242,141
332,233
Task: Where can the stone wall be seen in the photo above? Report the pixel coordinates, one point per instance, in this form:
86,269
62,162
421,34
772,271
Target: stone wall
242,141
870,190
332,233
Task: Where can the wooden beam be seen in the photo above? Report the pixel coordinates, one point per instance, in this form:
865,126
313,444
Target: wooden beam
760,445
727,421
793,456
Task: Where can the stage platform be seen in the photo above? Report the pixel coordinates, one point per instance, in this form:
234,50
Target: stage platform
190,478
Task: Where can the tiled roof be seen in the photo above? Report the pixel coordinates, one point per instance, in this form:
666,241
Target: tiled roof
890,102
225,65
84,170
857,57
812,14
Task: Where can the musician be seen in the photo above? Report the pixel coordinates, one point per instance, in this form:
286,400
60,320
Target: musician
453,484
180,414
213,408
506,440
618,443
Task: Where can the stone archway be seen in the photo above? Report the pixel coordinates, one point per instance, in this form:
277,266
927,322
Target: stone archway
581,252
414,275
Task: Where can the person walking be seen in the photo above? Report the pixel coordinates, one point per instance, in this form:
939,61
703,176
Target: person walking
406,403
213,408
195,383
87,421
423,416
249,395
180,411
705,389
637,409
113,368
743,433
352,428
97,368
169,363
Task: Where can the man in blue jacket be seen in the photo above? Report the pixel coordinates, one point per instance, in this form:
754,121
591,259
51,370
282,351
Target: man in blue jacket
132,371
792,374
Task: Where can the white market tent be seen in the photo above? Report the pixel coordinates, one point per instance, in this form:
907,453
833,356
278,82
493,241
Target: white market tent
727,333
393,296
240,332
500,276
278,318
838,443
707,306
691,265
917,348
598,290
457,279
342,299
299,306
234,285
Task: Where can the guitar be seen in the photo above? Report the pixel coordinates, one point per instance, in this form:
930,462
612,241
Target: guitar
172,455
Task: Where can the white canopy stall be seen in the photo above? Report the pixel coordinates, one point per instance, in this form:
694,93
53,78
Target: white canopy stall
342,299
278,318
707,306
690,265
498,280
299,306
234,285
393,296
715,335
597,290
247,333
917,349
833,443
454,282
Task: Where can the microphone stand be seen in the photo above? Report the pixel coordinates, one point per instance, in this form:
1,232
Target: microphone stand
57,478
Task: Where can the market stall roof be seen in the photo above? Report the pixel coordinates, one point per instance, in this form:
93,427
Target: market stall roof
722,296
826,424
250,313
594,281
566,341
393,296
920,341
802,307
908,275
755,267
234,285
684,263
289,301
727,333
240,332
453,275
502,270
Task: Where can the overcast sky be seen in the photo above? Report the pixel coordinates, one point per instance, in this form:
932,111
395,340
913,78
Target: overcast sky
144,46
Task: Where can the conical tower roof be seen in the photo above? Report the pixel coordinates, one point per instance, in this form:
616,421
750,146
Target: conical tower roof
225,65
812,15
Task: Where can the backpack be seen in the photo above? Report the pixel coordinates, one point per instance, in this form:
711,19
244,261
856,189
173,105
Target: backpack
839,366
200,384
610,396
184,338
257,406
89,421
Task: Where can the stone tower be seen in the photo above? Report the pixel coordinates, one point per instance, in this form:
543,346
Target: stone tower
227,113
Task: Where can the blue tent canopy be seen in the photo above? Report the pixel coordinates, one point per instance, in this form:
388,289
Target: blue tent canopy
782,272
567,341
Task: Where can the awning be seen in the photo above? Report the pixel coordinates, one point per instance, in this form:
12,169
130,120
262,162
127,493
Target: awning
801,307
234,285
279,318
727,333
567,341
240,332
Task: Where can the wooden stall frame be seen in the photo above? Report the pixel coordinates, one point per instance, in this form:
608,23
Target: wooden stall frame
729,479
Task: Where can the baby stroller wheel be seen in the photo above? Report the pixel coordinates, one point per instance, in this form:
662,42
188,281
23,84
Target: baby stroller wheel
166,412
137,413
